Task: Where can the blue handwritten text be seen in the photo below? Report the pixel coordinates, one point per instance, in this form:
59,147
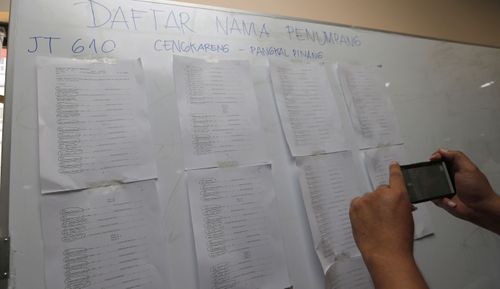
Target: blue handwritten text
179,46
119,17
234,26
322,37
38,40
287,53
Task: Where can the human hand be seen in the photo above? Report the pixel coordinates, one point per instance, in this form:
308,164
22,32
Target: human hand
473,191
475,199
382,222
382,226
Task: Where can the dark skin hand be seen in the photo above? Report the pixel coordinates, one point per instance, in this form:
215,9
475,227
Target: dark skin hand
475,201
382,223
382,226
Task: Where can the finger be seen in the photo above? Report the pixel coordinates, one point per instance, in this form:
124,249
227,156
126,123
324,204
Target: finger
355,199
382,187
451,207
449,203
445,203
435,156
438,202
355,207
437,151
456,158
396,179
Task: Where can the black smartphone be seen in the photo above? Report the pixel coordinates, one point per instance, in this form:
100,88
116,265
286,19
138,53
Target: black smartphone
428,180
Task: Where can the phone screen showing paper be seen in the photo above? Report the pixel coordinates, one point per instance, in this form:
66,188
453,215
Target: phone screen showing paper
427,181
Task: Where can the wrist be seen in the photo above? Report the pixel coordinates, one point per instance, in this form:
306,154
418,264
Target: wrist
488,216
488,208
378,259
390,271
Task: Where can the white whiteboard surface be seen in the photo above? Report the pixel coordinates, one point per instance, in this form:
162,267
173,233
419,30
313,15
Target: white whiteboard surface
437,88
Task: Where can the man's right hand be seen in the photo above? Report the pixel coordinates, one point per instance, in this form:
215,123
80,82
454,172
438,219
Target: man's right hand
475,200
382,226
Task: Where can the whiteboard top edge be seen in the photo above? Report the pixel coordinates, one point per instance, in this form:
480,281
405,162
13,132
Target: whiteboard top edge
284,17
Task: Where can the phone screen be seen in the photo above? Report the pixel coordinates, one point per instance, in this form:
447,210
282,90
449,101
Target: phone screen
427,181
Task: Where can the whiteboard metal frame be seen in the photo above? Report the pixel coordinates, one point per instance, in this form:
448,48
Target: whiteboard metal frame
292,18
5,149
9,92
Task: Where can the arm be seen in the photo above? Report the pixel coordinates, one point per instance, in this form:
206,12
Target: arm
382,226
475,201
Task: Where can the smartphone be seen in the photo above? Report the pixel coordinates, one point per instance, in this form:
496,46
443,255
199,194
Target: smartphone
428,180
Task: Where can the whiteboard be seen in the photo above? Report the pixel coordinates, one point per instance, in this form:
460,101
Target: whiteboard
439,91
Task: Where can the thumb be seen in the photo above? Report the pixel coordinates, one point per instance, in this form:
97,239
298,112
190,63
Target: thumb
454,207
445,203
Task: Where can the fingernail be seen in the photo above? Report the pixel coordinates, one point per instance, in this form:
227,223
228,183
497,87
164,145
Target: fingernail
451,204
394,163
435,155
443,150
